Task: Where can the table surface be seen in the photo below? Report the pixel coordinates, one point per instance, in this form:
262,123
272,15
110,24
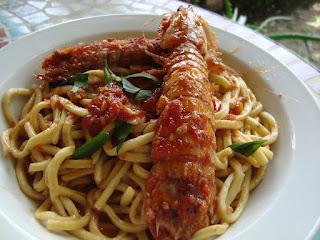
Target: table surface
21,17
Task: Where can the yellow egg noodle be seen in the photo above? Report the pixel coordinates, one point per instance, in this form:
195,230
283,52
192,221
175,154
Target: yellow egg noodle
71,193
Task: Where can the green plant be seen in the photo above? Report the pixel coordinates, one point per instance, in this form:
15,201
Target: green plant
233,15
257,10
275,36
228,8
300,36
271,19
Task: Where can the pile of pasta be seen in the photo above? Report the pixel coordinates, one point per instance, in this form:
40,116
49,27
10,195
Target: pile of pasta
101,196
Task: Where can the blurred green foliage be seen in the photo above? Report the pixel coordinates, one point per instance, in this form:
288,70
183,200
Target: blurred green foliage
259,9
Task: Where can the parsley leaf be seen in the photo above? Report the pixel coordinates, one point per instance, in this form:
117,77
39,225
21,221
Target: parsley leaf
80,81
247,148
129,87
109,76
143,75
143,94
121,131
90,146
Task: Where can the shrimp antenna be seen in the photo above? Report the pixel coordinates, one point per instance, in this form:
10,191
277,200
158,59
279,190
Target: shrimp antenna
210,34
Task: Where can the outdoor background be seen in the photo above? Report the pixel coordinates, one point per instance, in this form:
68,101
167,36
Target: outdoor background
295,22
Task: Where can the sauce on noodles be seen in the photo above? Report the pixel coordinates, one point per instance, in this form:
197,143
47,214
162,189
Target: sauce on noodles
102,196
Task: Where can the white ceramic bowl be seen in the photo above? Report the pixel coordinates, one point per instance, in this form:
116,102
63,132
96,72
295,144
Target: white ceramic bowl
287,203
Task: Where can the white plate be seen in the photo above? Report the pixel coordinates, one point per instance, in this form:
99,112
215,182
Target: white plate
287,203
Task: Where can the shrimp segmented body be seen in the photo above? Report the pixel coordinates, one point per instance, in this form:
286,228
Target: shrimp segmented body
63,64
181,186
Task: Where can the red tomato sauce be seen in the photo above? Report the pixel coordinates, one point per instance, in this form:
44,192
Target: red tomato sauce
149,105
108,106
179,132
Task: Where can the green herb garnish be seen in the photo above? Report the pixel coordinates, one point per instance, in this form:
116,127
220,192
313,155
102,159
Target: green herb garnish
140,94
129,87
143,94
90,146
109,76
80,81
247,148
121,131
143,75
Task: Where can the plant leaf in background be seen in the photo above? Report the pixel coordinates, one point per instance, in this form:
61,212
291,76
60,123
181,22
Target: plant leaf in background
121,131
233,13
271,19
228,9
247,148
90,146
80,81
304,37
143,94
